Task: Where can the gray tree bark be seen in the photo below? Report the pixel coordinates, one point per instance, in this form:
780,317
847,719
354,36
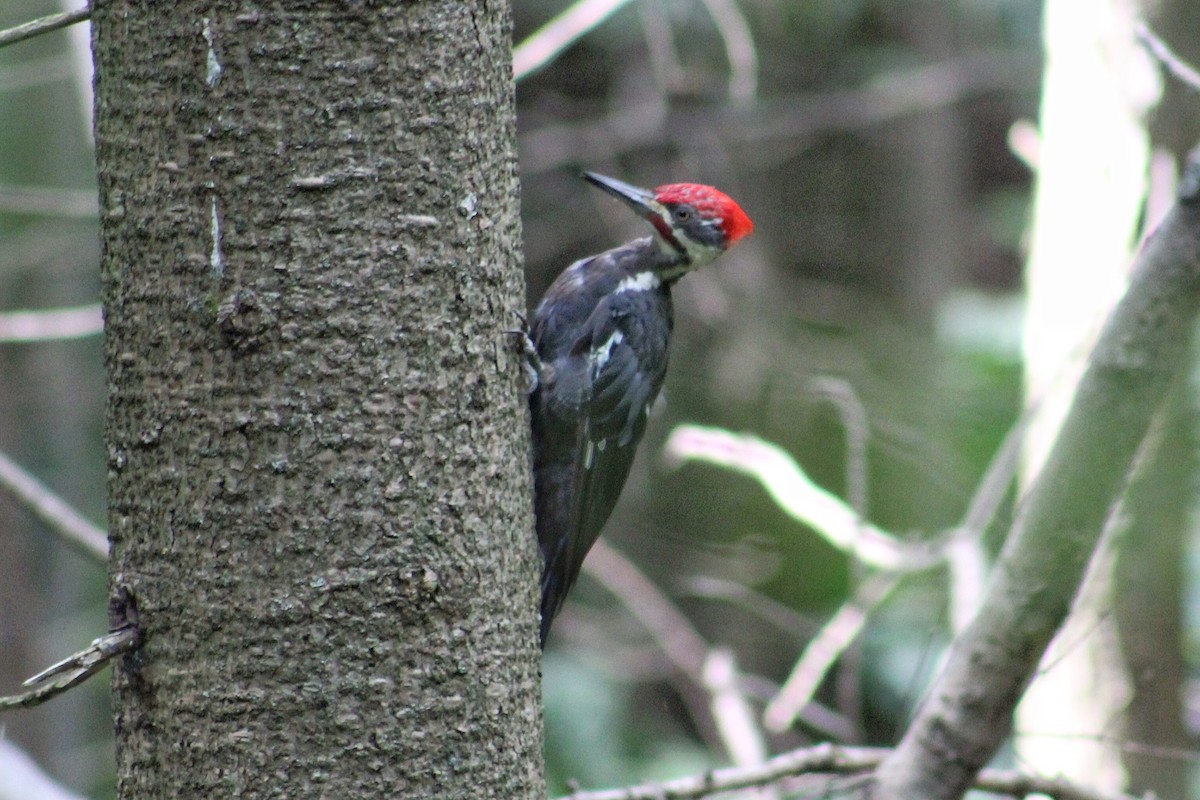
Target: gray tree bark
319,495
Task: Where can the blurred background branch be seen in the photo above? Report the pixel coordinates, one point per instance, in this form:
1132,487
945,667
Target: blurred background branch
42,25
577,20
52,510
824,761
58,323
1141,352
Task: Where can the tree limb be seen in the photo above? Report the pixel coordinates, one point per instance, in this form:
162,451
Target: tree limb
829,759
46,24
75,669
52,510
1184,72
967,713
51,324
799,497
21,778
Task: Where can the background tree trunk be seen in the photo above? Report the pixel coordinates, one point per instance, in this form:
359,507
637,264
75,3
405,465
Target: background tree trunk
318,488
1153,577
1086,217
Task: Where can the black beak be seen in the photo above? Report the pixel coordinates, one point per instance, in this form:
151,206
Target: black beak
642,201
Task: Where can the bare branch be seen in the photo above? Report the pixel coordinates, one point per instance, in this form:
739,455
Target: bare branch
46,24
841,394
737,724
829,759
824,650
57,323
825,758
75,669
964,557
739,594
72,203
967,713
679,641
780,127
739,48
795,493
1183,71
53,510
541,46
713,670
1001,471
21,778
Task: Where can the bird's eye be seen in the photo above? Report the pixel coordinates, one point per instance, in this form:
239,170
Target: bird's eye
682,214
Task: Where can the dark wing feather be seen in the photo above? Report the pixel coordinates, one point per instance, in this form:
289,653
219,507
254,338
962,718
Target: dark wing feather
620,361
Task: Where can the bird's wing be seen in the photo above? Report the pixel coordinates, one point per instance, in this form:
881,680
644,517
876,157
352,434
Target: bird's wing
624,347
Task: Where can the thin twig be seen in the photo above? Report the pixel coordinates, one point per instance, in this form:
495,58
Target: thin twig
845,400
679,641
541,46
796,494
51,324
739,48
738,594
965,556
830,759
992,489
72,203
46,24
713,671
824,650
1183,71
21,777
75,669
961,550
736,722
53,510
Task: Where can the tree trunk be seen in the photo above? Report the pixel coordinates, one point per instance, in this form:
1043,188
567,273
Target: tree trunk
319,494
965,715
1099,86
1154,571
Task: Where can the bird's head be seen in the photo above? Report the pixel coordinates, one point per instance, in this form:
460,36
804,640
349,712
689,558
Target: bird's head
695,221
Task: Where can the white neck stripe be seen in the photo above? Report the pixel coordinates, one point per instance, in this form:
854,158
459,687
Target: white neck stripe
640,282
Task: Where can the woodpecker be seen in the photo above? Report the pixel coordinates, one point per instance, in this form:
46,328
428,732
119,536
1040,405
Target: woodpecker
597,346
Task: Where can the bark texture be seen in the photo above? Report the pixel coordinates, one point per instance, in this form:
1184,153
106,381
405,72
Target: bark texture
318,483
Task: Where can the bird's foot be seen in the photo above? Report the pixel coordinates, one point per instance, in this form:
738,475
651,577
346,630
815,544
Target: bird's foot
528,352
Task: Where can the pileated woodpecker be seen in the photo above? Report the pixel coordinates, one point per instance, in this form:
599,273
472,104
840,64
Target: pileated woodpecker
598,344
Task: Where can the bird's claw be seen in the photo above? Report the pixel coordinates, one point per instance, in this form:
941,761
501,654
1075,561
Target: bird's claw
525,348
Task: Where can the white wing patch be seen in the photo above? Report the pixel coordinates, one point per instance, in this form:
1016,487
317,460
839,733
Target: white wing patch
600,355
